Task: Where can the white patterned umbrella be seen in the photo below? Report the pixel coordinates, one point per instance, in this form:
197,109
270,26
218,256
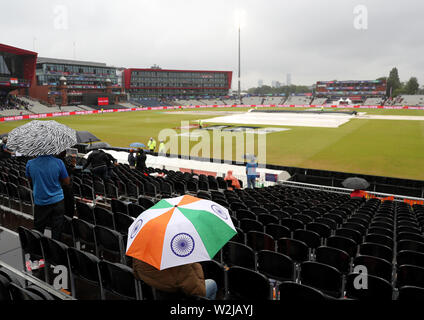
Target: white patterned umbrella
37,138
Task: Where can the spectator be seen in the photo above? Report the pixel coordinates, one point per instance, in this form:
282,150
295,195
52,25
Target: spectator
188,278
131,159
251,173
5,153
101,164
140,161
357,194
47,174
234,181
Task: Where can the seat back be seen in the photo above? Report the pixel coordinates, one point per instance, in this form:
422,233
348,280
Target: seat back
242,280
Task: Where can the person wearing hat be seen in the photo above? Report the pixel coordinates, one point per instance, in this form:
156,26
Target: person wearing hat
151,144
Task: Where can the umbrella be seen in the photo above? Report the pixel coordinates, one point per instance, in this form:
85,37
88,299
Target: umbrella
179,231
98,145
38,138
355,183
85,136
137,145
3,135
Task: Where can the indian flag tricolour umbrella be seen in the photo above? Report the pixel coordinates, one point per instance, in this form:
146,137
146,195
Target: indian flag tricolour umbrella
179,231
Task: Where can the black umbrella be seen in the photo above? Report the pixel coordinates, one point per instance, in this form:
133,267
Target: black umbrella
85,136
355,183
98,145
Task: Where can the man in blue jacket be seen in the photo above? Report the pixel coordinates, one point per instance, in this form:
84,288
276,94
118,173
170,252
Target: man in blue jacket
251,173
47,175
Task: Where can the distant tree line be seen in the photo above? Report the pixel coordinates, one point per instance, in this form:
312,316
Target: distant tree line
279,90
395,87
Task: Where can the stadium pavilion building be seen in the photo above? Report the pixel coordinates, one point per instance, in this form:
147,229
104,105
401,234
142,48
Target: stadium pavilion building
17,67
70,82
156,82
356,91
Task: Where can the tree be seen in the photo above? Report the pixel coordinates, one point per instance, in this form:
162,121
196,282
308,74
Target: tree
411,86
393,82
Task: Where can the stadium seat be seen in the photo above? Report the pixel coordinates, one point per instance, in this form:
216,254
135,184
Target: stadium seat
410,275
85,212
104,217
84,237
343,243
334,257
375,266
292,291
85,275
380,239
295,249
311,238
118,282
410,257
377,288
237,254
242,280
260,241
376,250
321,276
110,245
276,265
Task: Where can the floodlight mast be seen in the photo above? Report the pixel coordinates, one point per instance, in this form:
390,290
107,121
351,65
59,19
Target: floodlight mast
239,88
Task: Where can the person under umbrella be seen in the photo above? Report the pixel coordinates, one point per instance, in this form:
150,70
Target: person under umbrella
5,153
168,240
358,185
46,173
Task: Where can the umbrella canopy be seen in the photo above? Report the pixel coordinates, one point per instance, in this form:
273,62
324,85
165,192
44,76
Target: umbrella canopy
355,183
38,138
85,136
98,145
179,231
137,145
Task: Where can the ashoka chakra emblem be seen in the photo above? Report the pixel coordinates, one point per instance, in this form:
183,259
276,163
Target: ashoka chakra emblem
219,212
182,244
137,227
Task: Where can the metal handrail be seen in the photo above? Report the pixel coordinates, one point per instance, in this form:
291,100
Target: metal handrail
344,190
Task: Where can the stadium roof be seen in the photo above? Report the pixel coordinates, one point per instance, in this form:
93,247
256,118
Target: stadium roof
17,51
71,62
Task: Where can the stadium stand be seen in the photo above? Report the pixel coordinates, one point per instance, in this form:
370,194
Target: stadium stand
298,100
319,101
322,236
374,102
409,100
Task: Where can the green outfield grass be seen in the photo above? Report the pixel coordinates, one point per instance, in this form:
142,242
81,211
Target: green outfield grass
393,148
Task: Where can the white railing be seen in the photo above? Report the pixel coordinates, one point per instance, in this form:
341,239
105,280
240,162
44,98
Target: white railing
344,190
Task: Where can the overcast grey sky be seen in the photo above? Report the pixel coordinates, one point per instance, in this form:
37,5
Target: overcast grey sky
310,39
